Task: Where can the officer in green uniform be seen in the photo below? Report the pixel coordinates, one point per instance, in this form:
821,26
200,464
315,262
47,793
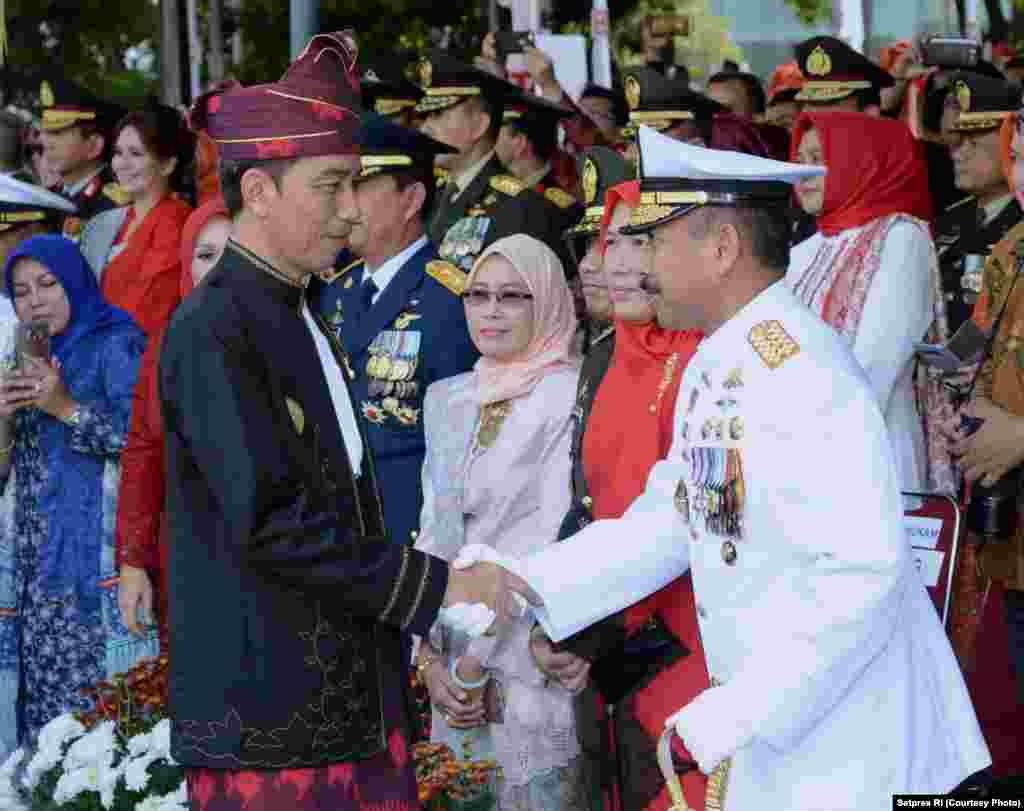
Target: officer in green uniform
76,134
528,147
976,106
669,106
390,94
480,202
600,168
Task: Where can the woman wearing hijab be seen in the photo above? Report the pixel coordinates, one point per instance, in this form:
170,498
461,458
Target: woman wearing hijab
625,425
497,473
870,271
141,552
65,420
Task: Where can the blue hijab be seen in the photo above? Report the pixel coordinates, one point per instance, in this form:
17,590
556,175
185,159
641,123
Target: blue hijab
90,312
72,499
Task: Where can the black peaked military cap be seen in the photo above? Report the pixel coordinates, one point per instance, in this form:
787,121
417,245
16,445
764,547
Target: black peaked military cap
599,169
387,148
387,92
446,81
982,102
835,71
535,116
64,104
660,103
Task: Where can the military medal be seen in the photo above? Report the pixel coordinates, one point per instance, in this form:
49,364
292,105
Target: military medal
682,501
492,416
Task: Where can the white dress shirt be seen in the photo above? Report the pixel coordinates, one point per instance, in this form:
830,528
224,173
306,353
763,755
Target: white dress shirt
339,395
383,275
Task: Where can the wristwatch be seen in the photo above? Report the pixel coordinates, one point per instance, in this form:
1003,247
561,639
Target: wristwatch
74,419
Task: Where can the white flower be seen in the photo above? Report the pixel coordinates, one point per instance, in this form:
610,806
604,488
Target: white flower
59,731
42,761
86,778
160,736
136,773
140,744
108,784
91,749
12,763
152,803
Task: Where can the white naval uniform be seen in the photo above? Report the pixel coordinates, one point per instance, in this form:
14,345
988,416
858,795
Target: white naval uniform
834,685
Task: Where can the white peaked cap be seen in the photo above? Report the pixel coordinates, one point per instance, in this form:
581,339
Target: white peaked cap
664,157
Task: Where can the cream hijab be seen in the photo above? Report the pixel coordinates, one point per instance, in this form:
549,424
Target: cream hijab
554,321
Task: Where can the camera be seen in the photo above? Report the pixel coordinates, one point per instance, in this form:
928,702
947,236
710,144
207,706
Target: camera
950,52
992,510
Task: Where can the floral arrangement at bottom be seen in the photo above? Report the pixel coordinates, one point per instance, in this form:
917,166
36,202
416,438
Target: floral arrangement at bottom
115,758
448,784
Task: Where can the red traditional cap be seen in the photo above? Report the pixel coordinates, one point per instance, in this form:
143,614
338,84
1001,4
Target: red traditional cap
314,109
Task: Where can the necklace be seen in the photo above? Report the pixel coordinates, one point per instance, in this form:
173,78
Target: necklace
666,379
492,416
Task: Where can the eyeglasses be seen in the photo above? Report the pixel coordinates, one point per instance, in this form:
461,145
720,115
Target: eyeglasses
509,299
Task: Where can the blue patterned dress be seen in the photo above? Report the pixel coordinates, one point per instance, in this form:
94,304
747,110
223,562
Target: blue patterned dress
62,647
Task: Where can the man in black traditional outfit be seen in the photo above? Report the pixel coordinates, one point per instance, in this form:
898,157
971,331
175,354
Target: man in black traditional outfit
287,600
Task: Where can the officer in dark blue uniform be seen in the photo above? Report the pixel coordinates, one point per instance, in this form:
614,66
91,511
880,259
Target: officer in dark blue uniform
397,310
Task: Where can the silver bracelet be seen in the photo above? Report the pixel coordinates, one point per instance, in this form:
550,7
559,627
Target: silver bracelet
466,685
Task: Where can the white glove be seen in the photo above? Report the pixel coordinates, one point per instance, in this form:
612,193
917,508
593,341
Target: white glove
700,727
465,618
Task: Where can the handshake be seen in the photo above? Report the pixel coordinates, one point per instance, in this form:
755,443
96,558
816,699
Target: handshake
484,595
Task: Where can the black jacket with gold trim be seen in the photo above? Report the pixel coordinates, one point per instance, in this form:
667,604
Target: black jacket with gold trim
286,598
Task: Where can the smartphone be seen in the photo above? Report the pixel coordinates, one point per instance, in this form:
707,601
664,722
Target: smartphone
674,24
964,347
31,340
512,42
950,52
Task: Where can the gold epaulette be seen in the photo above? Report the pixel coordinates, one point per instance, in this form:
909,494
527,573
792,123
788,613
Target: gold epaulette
447,274
772,343
331,276
117,193
560,198
507,184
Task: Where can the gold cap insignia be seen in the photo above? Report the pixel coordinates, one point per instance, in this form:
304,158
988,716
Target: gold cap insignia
589,181
46,98
632,89
819,63
772,343
426,72
963,96
298,417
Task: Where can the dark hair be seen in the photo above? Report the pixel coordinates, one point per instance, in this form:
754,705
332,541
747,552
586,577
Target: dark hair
163,131
405,179
543,139
231,172
751,83
769,229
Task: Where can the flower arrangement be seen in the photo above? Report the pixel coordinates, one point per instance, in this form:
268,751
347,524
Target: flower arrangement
447,784
115,758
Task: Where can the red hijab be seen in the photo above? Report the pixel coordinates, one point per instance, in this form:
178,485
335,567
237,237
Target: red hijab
875,168
190,233
617,459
